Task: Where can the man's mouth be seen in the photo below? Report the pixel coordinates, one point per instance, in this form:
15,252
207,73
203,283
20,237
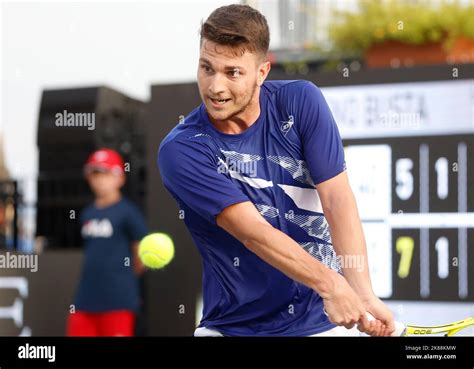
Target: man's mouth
219,101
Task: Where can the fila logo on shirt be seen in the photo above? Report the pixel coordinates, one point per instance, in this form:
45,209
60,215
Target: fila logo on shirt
97,228
286,125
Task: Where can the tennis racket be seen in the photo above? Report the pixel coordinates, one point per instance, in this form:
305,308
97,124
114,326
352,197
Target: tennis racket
450,329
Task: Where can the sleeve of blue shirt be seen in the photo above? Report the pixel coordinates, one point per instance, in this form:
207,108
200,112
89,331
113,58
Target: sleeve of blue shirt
189,170
136,224
322,144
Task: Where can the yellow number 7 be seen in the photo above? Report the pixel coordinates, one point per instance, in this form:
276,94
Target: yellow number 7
404,247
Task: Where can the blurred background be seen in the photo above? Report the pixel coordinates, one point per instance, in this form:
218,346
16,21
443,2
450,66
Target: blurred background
399,79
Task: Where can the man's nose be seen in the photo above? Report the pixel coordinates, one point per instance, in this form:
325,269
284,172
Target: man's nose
217,85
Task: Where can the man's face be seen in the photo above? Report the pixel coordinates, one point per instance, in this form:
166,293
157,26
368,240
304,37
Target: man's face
228,82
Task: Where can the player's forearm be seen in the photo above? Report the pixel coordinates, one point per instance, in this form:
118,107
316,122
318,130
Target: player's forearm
349,242
282,252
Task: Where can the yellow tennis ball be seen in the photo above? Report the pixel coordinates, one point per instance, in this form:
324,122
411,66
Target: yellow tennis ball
156,250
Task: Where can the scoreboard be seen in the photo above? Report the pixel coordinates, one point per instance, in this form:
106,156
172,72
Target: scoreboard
410,160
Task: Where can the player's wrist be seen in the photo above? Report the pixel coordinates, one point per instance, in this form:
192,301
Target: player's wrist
367,296
327,285
362,286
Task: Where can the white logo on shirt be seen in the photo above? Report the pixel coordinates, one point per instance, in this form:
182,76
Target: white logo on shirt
97,228
286,125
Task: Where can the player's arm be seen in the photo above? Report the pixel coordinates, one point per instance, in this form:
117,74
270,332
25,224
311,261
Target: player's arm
191,173
138,266
340,210
244,222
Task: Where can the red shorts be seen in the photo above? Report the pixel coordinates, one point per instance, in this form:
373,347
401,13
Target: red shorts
112,323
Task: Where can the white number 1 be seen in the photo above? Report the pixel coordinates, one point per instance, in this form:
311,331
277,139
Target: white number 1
441,167
442,249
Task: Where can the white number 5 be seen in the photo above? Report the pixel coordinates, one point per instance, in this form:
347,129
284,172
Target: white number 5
404,178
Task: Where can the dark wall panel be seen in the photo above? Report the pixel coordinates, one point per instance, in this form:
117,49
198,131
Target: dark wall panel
172,292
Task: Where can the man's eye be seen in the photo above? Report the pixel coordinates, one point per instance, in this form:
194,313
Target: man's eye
234,73
206,68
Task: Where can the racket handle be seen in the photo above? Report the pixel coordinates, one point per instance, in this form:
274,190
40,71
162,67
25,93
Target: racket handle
399,327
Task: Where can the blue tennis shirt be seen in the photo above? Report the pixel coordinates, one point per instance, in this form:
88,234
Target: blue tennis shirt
275,164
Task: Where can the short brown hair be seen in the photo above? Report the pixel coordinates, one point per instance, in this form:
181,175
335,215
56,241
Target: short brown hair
239,26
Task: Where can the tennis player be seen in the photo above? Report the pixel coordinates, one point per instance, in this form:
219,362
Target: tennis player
259,171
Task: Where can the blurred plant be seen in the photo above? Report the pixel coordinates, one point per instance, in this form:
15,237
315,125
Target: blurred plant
405,21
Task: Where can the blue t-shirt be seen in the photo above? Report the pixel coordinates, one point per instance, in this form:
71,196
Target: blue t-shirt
108,281
275,164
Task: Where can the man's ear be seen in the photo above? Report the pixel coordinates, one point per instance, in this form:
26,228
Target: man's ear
263,71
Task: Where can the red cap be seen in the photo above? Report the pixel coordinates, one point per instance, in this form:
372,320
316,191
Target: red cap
105,159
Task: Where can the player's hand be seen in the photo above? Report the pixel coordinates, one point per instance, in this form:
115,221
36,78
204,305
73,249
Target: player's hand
341,304
384,324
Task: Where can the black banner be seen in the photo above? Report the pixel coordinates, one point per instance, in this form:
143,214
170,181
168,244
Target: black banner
192,352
